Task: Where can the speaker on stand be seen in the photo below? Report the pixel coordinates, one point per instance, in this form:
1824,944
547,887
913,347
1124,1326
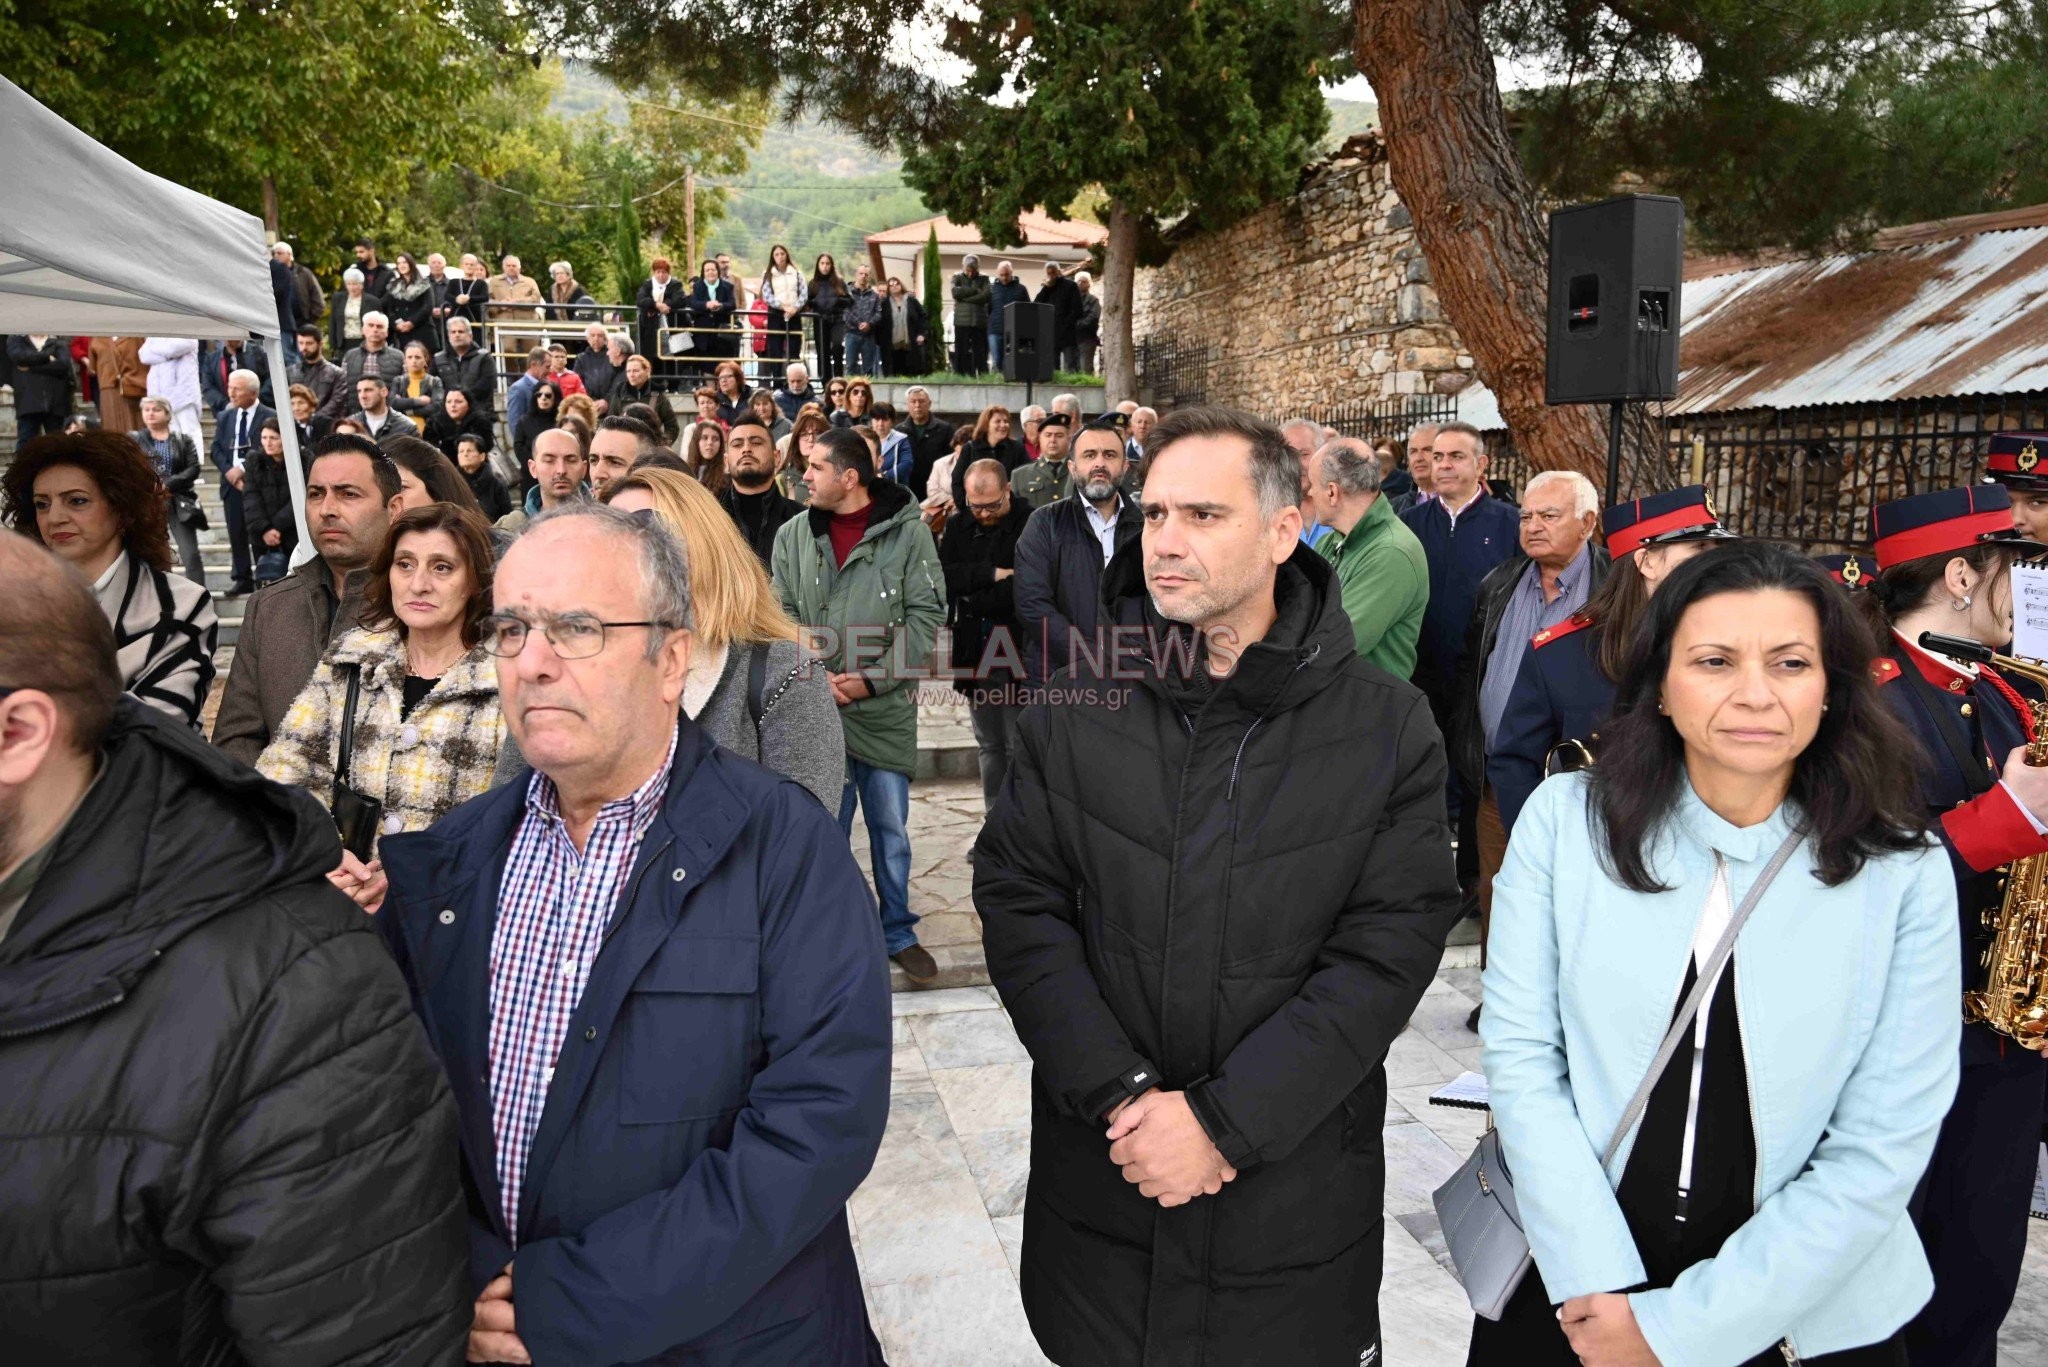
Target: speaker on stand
1028,350
1616,268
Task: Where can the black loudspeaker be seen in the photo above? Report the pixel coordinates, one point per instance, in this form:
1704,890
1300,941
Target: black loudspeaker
1615,269
1028,350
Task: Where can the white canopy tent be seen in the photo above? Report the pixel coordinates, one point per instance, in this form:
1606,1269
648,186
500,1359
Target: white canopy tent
93,245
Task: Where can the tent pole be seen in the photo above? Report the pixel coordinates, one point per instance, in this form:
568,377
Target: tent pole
288,429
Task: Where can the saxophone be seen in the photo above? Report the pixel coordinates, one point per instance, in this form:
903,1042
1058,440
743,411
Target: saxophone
2013,997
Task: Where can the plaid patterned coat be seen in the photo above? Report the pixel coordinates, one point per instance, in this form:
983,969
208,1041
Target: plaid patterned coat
422,767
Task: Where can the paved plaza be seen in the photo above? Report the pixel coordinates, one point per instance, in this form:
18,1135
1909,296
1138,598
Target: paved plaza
939,1223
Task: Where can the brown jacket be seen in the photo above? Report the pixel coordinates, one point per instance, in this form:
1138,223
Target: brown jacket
117,363
286,628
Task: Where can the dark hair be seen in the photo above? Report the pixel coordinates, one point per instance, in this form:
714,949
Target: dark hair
431,464
660,458
748,419
472,537
883,409
349,444
849,450
373,377
307,330
126,477
56,639
1855,784
643,414
1275,468
1907,586
1616,607
554,391
270,424
818,279
642,433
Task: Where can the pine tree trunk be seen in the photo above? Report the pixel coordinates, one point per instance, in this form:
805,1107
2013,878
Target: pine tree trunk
1119,278
270,207
1455,168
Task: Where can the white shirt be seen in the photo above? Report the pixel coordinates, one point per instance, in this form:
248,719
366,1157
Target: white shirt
1714,919
243,433
1103,527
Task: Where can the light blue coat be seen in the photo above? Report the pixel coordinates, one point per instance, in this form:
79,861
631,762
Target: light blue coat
1849,1001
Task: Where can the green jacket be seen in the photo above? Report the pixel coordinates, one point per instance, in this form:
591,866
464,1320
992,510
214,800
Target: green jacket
878,614
970,299
1040,482
1384,577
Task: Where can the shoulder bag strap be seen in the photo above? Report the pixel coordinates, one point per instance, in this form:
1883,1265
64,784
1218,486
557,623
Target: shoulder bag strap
1683,1021
348,726
757,681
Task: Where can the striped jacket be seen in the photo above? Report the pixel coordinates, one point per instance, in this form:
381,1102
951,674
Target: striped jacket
164,635
422,767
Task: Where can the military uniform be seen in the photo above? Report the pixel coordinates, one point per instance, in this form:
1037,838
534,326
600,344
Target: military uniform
1560,695
1971,1208
1040,482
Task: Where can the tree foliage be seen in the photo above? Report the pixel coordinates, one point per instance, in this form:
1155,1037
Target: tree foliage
934,301
332,99
1802,124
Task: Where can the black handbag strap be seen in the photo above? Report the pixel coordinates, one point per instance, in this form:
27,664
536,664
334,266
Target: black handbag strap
1704,984
348,726
757,681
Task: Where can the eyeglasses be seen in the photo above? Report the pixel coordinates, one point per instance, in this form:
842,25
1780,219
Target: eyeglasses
995,507
574,636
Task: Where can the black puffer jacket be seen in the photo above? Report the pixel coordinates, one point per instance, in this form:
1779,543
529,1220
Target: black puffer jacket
225,1140
1246,890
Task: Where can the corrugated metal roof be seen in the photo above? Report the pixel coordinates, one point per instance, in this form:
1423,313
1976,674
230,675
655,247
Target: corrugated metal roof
1038,230
1966,315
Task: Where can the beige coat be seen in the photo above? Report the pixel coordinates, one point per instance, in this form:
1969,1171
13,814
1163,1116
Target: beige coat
422,767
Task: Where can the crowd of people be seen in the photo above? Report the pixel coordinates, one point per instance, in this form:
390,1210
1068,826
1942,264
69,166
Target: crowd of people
1261,712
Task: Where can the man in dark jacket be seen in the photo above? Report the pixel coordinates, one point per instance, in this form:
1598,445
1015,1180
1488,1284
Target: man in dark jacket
1465,531
1216,985
1065,297
43,379
289,625
218,360
1063,550
468,367
1552,574
979,556
970,318
629,1202
317,373
1006,290
930,437
226,1139
750,495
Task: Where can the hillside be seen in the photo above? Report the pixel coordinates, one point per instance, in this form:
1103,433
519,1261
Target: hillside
815,188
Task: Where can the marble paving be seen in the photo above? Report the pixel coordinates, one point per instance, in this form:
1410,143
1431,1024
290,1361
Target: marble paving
939,1223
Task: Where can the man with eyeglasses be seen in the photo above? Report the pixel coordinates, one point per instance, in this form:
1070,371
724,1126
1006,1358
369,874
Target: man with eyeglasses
1550,577
654,975
287,626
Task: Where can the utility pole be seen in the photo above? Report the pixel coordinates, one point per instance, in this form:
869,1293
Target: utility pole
689,222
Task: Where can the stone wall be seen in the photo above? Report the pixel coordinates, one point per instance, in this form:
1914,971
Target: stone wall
1322,298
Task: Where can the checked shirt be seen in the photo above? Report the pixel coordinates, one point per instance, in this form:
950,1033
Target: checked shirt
553,907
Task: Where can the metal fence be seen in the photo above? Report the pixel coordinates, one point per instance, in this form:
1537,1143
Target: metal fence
1173,374
1811,476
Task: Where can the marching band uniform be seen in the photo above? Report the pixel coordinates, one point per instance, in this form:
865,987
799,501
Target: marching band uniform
1852,572
1971,1208
1560,694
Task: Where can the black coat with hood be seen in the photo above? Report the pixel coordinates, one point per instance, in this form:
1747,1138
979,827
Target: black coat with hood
1243,888
226,1141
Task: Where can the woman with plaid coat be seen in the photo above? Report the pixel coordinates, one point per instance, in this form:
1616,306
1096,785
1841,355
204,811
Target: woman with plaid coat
427,727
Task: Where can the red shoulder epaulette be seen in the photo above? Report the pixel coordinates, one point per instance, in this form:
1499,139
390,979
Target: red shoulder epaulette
1883,669
1578,621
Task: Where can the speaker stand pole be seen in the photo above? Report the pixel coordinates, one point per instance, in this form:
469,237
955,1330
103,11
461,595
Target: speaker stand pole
1615,412
1027,400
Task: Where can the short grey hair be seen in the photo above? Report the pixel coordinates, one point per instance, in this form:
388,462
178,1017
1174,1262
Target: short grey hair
1351,465
1034,412
1308,425
916,389
1070,402
562,266
281,247
375,317
1585,498
352,276
664,564
246,379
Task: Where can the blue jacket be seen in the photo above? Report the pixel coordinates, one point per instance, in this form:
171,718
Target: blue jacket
1559,695
1847,997
722,1085
222,451
1001,296
1486,533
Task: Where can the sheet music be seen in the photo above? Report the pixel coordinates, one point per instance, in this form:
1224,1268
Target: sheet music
2030,612
1466,1090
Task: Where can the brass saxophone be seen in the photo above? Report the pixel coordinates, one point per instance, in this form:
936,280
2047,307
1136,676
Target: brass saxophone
2013,999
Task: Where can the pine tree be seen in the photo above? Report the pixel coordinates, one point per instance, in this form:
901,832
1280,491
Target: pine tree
934,304
627,259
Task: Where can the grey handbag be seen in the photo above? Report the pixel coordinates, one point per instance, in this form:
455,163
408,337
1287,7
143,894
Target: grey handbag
1481,1221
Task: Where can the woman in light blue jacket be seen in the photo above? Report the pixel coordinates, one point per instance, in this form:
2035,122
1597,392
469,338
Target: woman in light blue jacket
1757,1212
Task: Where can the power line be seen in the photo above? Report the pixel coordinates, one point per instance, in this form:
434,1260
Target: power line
790,208
558,204
734,123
